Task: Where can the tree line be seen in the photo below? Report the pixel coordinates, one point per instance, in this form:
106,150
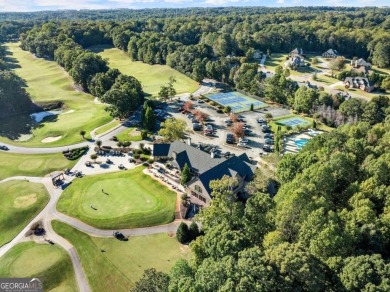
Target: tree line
64,44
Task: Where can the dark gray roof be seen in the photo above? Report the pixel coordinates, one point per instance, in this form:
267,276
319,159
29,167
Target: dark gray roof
161,149
359,80
231,167
207,167
362,62
196,159
331,52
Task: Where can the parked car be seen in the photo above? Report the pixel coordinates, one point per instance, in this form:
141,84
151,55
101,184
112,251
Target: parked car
119,235
208,130
241,144
200,101
261,121
228,121
196,127
3,147
243,140
121,166
269,141
268,135
268,148
230,139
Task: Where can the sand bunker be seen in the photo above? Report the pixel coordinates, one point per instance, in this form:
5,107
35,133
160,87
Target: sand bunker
68,112
25,201
51,139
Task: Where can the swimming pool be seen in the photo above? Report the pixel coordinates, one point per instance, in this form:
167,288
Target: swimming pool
300,142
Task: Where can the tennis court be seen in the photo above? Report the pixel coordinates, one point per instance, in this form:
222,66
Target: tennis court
237,101
292,122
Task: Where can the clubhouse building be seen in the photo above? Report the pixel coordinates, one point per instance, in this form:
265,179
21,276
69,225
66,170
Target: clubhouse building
204,168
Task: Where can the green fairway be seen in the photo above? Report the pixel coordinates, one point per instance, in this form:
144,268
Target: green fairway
47,82
122,263
51,264
120,200
20,201
150,76
12,164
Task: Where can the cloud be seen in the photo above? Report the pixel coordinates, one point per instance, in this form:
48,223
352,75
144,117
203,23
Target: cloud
14,5
221,2
71,4
280,1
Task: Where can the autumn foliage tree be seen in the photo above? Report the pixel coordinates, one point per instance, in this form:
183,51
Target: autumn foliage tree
200,116
188,106
238,130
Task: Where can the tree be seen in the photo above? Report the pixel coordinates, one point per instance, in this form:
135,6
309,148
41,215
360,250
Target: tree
149,120
99,143
352,108
314,61
164,92
252,107
185,174
337,63
238,130
152,281
305,99
366,272
82,133
194,230
86,66
188,106
94,156
201,116
173,129
286,72
183,233
386,83
381,54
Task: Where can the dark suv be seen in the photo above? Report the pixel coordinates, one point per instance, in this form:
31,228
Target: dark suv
230,139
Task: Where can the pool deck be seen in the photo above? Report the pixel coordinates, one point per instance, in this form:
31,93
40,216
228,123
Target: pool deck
289,145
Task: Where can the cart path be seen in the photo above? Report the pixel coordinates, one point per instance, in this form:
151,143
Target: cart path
49,213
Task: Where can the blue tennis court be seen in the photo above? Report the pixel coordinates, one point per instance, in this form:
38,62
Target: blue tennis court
237,101
293,122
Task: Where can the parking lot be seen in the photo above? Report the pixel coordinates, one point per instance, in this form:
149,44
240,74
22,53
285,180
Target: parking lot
256,139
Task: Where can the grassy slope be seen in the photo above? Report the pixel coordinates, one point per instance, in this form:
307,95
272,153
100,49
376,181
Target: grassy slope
49,263
20,201
150,76
122,263
12,164
48,82
124,136
107,127
132,199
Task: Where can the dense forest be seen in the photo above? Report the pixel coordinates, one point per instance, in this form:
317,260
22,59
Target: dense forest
327,228
221,44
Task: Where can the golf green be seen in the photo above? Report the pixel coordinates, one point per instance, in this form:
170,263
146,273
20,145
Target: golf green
47,82
119,200
20,202
150,76
51,264
123,262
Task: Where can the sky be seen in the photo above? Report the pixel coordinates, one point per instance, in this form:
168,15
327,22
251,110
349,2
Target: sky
37,5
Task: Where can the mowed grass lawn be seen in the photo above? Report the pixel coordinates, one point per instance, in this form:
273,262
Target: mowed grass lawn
20,201
120,200
150,76
12,164
50,263
123,262
48,82
107,127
